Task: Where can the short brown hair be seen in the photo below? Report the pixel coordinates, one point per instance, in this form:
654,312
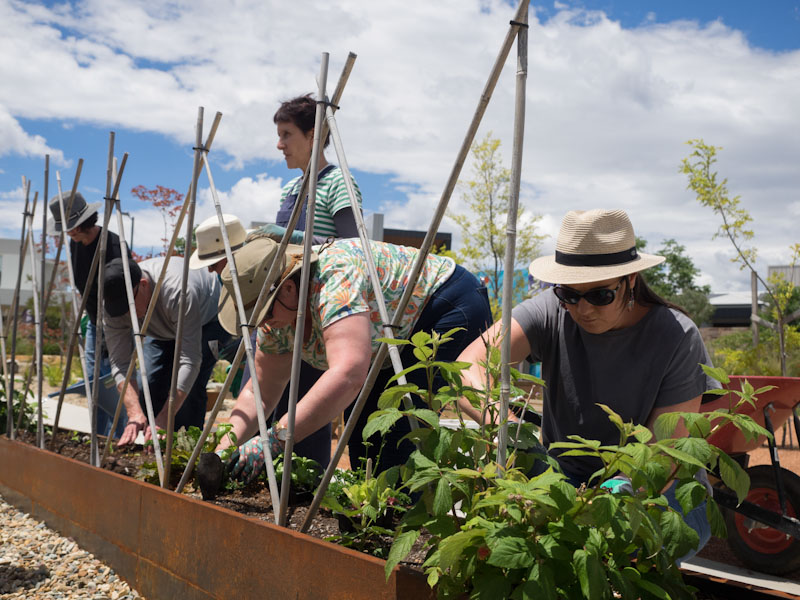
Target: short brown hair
301,111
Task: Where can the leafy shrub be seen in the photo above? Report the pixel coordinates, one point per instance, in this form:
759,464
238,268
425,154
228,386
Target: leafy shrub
496,532
736,354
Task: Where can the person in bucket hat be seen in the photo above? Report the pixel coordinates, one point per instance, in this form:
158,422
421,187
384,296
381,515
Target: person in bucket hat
210,252
603,337
84,234
342,332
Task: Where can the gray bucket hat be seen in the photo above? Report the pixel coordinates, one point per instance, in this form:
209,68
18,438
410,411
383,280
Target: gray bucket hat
79,213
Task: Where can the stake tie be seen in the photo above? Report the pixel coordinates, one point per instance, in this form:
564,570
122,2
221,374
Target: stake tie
328,103
519,24
201,148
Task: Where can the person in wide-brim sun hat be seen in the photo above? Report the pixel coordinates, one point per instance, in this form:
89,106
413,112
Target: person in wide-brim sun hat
602,336
342,332
252,264
593,245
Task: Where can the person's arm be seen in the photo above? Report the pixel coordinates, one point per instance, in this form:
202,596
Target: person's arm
272,373
345,223
348,348
692,405
475,353
137,420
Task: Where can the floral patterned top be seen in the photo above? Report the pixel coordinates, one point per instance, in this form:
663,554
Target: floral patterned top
340,287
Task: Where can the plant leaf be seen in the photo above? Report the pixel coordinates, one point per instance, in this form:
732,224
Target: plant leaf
401,546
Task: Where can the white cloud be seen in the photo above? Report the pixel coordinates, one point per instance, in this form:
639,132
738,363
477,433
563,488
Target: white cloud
608,109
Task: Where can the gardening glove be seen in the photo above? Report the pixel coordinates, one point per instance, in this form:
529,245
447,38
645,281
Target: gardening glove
619,484
248,461
276,233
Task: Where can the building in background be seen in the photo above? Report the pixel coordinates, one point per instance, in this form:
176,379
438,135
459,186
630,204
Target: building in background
9,267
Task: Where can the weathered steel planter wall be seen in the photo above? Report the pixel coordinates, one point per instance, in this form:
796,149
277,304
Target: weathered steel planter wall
170,546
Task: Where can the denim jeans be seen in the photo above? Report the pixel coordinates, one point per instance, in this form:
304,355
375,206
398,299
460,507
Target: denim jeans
316,446
106,402
158,356
461,301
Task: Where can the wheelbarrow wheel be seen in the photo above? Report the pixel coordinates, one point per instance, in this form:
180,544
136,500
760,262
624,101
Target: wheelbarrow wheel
759,547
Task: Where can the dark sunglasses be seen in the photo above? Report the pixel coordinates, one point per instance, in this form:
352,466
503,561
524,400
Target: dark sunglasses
597,296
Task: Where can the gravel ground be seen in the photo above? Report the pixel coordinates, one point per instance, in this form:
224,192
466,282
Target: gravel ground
36,562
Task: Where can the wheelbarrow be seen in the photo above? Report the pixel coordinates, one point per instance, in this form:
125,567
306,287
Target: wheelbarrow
764,530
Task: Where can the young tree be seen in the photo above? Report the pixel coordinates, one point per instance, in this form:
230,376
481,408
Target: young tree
166,200
674,280
735,226
483,225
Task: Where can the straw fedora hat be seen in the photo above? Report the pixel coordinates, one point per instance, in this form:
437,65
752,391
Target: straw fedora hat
210,247
593,245
79,212
252,263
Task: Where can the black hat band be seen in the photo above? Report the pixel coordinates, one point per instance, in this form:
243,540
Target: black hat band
596,260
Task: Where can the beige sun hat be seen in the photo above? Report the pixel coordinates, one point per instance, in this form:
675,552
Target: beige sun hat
593,245
210,247
252,264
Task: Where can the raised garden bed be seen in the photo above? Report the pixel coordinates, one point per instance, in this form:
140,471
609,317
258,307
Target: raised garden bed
169,545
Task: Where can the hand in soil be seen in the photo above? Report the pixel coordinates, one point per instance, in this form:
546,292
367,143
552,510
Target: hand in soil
248,461
132,429
210,473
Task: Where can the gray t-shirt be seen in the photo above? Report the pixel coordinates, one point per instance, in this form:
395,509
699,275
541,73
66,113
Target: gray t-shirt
202,294
654,363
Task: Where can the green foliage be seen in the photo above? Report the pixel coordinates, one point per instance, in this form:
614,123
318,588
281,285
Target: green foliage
369,504
736,227
220,371
483,226
674,280
736,354
183,444
306,472
28,422
515,536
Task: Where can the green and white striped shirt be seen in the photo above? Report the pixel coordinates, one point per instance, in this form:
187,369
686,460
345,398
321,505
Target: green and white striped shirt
331,198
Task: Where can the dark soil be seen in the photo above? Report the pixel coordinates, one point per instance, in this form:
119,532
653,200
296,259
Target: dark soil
254,501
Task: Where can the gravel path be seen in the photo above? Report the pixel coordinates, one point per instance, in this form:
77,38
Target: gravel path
36,562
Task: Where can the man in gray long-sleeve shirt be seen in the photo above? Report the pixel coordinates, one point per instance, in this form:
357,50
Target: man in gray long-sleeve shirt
202,335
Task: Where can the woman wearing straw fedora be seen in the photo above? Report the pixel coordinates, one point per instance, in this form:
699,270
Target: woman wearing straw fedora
603,336
342,331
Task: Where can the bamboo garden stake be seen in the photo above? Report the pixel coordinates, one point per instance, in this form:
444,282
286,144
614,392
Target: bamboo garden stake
511,235
76,326
358,406
243,318
151,307
12,315
173,388
37,325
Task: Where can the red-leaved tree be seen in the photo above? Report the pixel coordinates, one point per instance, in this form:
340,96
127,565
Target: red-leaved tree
166,200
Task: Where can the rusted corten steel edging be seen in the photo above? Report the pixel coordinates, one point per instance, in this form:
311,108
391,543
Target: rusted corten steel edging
171,546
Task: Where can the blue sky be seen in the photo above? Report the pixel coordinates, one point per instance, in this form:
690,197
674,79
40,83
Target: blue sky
615,89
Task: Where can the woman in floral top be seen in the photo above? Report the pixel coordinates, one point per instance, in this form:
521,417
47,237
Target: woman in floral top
342,329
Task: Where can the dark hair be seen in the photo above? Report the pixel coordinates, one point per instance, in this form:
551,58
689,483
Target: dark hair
644,295
90,222
300,111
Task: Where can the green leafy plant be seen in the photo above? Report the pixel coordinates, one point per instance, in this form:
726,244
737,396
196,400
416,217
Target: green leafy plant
366,507
305,476
220,371
496,532
183,444
20,403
